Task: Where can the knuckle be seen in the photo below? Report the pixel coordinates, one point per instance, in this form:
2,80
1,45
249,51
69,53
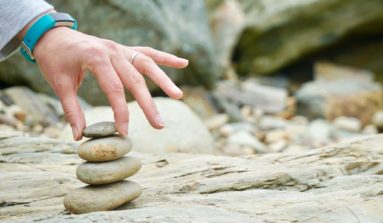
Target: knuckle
69,114
116,87
147,60
136,80
96,55
147,48
59,88
95,51
111,45
146,64
120,112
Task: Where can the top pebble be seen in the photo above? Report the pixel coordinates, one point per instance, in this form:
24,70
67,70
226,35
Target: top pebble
100,129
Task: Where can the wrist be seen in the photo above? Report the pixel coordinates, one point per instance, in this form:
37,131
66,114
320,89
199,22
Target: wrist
48,39
22,32
39,28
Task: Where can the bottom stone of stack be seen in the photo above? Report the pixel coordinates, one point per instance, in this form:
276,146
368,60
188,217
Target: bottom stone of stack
101,197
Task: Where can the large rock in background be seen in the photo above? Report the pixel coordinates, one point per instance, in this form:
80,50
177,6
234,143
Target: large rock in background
184,131
276,33
340,183
177,27
342,97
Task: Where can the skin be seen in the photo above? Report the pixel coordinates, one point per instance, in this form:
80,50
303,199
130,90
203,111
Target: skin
63,55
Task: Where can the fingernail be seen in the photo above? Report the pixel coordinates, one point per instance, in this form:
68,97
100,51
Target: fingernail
75,133
159,121
125,128
182,59
178,90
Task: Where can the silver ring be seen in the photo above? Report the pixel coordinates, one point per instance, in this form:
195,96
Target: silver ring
135,54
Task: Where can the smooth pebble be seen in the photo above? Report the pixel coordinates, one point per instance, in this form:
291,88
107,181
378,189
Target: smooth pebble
101,197
105,149
100,129
108,172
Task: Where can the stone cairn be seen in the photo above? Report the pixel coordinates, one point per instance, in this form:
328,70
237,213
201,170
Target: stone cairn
105,169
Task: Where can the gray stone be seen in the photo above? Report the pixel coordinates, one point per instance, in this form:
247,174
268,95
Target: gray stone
348,123
331,99
228,107
377,119
370,130
108,172
272,122
216,121
269,99
231,128
320,132
200,101
36,109
104,149
325,71
244,138
100,129
101,197
184,131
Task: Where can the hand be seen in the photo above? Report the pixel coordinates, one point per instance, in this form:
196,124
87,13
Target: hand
64,55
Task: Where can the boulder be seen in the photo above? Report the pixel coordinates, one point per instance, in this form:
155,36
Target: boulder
262,36
177,27
35,108
339,183
343,97
184,131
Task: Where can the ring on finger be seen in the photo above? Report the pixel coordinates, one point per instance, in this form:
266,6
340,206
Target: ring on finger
134,55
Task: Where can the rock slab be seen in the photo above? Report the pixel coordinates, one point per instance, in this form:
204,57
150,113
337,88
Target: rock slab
107,172
104,149
338,183
102,197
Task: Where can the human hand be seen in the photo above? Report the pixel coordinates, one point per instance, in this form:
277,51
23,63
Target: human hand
63,56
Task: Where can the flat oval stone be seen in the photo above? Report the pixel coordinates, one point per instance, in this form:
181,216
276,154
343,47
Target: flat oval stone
101,197
100,129
108,172
105,149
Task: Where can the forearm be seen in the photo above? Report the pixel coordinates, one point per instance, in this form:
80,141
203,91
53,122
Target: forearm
15,15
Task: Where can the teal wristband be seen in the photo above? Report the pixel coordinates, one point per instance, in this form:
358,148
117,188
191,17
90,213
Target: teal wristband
41,26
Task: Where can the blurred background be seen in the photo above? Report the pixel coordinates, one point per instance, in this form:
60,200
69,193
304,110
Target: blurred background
264,75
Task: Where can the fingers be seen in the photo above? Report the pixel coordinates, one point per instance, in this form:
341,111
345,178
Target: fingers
72,109
162,58
114,90
147,66
135,83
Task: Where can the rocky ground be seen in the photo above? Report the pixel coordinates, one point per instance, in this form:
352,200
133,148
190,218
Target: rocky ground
341,183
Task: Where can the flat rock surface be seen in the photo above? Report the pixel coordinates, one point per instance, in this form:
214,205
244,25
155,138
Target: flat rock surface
107,172
100,129
101,197
104,149
340,183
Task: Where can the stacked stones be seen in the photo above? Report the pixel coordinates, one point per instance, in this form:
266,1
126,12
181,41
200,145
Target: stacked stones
105,171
